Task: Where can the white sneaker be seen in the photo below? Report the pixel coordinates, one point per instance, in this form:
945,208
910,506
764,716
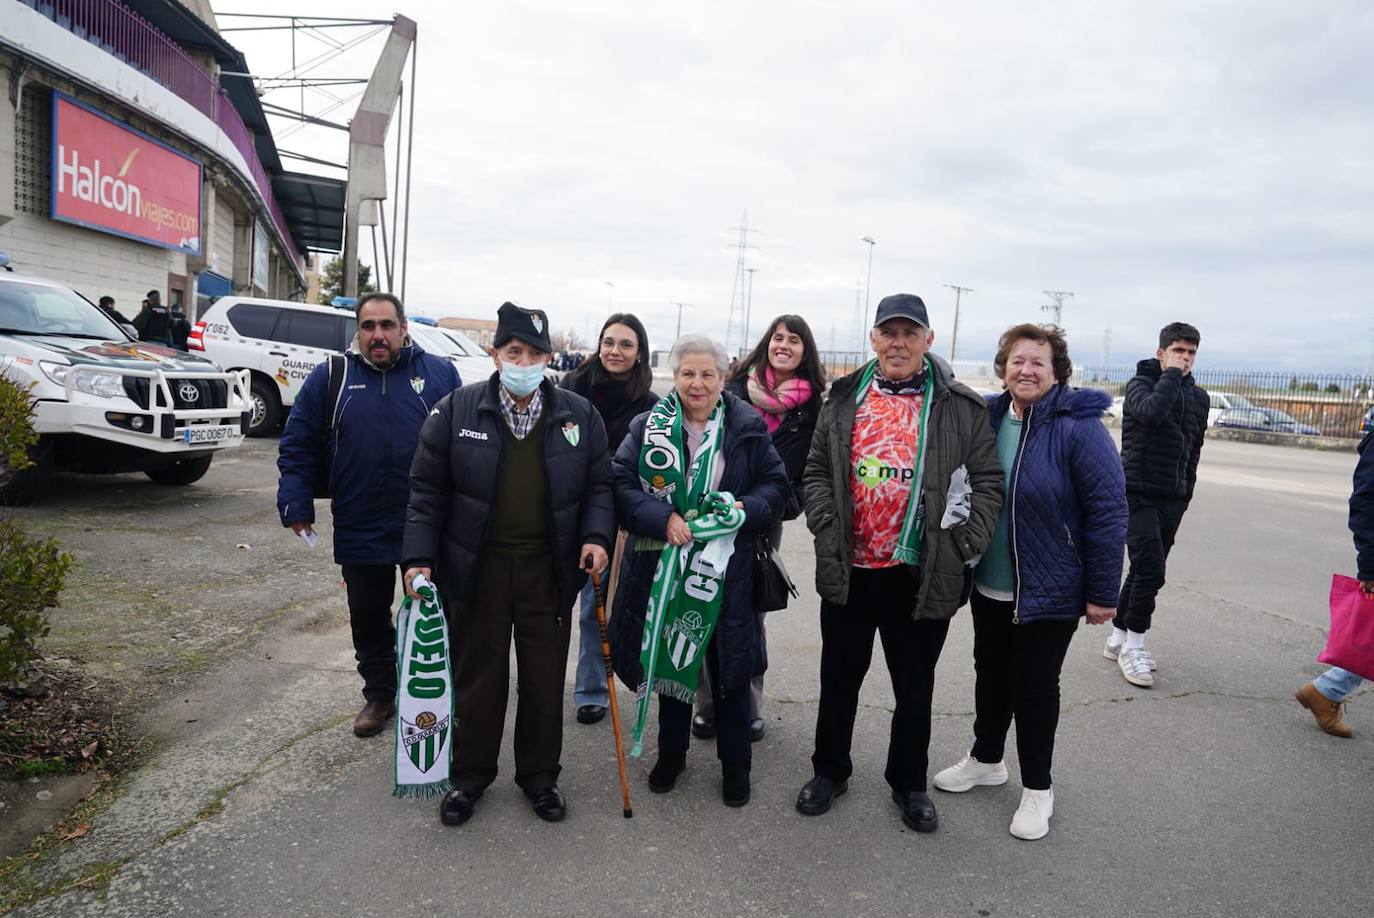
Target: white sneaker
1136,665
969,773
1032,819
1113,651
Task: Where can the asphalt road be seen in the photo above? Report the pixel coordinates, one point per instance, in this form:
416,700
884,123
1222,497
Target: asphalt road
1211,794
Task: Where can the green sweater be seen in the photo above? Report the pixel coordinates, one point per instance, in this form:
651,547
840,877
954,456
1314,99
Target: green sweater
520,521
996,573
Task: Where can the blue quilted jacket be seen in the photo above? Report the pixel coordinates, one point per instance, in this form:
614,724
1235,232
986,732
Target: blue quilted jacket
1068,505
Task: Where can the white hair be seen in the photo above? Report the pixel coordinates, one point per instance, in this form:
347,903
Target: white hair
698,344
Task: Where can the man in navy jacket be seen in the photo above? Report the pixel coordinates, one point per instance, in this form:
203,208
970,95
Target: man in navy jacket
362,443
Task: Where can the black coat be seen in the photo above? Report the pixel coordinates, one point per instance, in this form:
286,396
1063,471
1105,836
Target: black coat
1362,510
455,480
1163,424
755,475
792,439
610,401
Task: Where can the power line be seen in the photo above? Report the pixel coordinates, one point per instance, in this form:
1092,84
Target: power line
737,291
954,338
1059,296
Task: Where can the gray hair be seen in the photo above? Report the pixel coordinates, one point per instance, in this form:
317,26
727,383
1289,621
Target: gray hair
698,344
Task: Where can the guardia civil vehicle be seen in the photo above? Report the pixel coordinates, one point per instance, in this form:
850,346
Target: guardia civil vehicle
105,402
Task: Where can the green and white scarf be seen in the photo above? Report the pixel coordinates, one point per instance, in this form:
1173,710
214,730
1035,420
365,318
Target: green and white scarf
424,696
908,549
689,582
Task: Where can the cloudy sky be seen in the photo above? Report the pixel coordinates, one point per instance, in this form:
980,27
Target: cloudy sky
1207,162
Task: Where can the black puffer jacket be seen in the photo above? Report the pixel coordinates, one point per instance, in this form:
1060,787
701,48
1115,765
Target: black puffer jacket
755,475
1362,510
792,439
455,480
611,400
1163,424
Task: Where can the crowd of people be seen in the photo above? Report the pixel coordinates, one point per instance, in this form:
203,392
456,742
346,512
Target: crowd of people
154,322
921,496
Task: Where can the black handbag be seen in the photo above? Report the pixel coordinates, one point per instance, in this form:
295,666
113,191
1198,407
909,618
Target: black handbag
772,585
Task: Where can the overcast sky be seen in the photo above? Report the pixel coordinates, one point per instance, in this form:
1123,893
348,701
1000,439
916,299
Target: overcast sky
1205,162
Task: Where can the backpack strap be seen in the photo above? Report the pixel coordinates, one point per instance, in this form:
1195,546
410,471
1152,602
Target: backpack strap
338,369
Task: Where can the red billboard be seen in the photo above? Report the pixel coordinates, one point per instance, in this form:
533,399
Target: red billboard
108,177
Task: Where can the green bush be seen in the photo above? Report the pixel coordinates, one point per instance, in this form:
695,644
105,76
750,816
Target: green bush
31,571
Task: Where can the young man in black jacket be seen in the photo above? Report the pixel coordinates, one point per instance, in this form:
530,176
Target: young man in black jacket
1164,421
510,506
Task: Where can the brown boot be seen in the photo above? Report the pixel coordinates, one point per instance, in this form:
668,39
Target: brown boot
373,717
1326,711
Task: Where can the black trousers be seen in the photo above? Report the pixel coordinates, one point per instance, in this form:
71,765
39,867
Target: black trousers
1150,535
879,601
513,596
371,591
731,714
1017,667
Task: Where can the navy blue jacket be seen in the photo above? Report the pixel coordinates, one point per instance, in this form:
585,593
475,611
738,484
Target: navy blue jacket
757,477
1362,510
1068,505
369,451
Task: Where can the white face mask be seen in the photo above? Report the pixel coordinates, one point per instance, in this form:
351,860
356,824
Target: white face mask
521,381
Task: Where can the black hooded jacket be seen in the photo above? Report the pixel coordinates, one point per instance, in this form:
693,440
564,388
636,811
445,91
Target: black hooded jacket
455,481
1163,424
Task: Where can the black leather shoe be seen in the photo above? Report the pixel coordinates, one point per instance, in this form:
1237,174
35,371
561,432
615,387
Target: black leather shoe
817,795
590,713
457,806
756,729
917,811
549,804
703,727
664,774
734,788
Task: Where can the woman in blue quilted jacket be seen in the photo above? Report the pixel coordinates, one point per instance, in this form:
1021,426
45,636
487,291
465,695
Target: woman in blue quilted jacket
1055,558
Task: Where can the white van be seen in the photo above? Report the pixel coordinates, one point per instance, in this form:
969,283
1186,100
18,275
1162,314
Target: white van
278,342
472,363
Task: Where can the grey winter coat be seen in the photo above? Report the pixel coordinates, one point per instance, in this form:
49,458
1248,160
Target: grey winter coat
960,437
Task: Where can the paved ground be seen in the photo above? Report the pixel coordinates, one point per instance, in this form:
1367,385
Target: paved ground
1212,794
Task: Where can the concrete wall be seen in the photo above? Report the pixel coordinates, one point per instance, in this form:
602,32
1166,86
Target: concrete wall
94,264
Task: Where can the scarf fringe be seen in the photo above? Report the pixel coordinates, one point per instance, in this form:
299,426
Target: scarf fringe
675,690
422,791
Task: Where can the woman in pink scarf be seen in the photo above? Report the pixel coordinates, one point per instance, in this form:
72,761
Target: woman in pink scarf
784,380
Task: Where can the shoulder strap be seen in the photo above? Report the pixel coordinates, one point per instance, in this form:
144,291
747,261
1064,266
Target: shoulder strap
338,369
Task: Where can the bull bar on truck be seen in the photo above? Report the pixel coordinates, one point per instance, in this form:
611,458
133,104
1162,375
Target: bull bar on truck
90,413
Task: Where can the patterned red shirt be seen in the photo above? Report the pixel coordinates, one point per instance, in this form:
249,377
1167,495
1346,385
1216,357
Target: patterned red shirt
883,451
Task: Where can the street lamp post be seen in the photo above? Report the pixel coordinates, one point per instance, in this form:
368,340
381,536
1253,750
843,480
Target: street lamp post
871,243
679,318
610,289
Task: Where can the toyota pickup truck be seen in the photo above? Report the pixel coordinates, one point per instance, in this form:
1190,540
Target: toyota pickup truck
105,402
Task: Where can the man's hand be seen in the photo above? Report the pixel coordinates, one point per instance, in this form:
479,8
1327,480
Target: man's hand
409,578
679,533
1100,615
1367,587
299,528
594,558
1173,361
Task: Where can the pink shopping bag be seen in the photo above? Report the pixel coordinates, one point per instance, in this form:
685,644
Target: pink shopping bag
1350,645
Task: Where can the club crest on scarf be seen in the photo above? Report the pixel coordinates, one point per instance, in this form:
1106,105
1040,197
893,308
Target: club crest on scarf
424,737
424,696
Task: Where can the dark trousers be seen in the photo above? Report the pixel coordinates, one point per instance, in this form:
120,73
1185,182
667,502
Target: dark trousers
371,590
732,711
1149,536
881,601
515,596
1017,667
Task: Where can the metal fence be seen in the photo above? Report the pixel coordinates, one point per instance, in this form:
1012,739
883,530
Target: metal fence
123,33
1334,404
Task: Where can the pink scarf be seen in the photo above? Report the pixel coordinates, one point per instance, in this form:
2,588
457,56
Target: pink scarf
773,400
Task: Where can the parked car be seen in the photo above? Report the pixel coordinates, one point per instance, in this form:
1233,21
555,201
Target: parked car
1224,401
278,342
472,365
1270,419
105,402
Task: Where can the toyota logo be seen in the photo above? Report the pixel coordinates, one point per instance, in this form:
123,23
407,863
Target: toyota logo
188,392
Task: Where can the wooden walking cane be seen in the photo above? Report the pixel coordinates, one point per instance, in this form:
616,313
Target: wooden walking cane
610,688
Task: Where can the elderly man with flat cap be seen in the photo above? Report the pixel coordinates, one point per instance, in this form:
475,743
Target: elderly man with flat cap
902,495
510,507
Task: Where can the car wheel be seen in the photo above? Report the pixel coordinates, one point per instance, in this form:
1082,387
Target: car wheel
265,414
181,472
26,486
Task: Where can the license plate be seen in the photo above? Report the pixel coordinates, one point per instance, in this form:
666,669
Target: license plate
207,434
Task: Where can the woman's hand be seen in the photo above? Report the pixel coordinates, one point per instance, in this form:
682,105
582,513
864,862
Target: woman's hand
409,580
679,533
1100,615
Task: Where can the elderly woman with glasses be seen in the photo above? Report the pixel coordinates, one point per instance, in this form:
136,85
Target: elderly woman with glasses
696,479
